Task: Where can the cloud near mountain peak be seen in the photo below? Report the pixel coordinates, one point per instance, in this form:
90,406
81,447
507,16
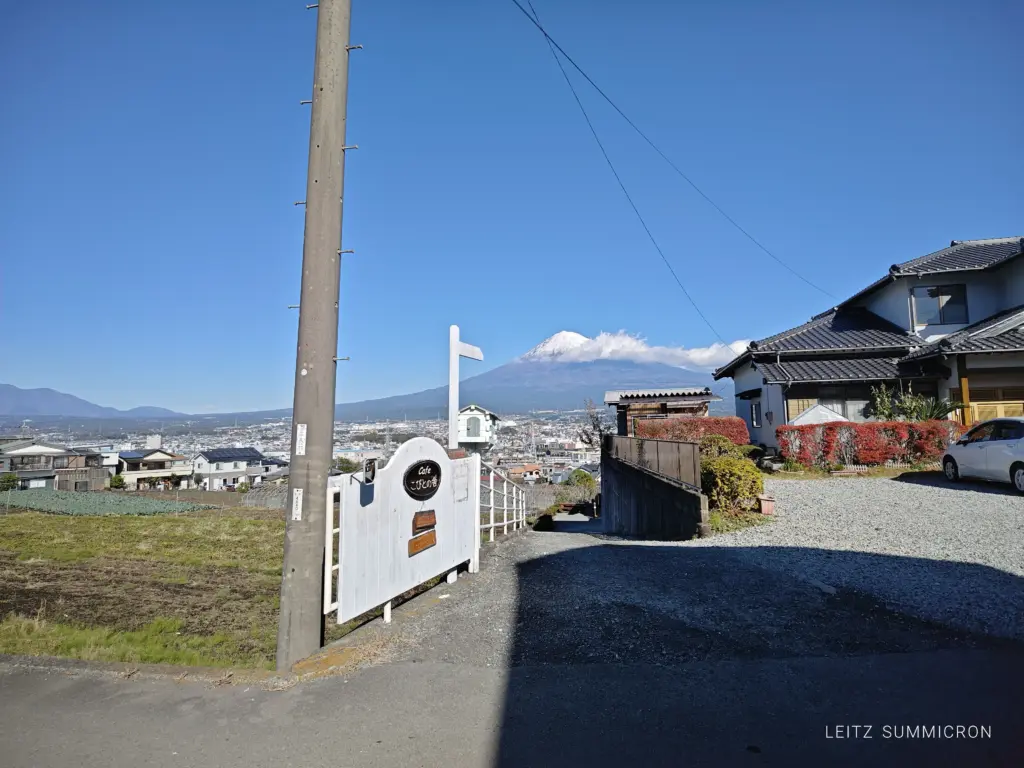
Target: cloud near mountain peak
571,347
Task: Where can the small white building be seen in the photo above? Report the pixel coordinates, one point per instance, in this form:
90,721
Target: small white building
221,469
478,428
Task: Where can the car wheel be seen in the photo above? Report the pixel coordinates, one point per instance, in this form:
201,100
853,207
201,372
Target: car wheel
951,470
1017,477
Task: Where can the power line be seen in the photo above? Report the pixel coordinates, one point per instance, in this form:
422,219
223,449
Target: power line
625,192
551,42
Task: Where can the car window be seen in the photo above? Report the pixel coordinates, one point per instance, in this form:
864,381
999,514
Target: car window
1008,430
982,433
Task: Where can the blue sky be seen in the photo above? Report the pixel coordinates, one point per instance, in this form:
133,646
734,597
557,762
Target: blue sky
150,154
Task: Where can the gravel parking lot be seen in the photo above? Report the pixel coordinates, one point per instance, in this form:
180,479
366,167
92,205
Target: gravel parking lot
935,550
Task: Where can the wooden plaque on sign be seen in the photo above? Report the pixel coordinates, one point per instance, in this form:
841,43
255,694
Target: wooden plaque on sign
419,543
423,521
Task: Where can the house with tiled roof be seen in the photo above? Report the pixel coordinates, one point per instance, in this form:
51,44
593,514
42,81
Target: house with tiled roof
949,324
218,469
153,468
39,464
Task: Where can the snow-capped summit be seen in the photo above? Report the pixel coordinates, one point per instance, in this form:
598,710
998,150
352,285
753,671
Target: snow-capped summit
556,346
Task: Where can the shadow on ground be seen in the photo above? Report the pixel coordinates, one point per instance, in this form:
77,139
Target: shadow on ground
670,656
937,480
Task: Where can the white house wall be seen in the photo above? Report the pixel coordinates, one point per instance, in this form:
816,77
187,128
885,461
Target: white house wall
891,302
774,401
987,293
748,378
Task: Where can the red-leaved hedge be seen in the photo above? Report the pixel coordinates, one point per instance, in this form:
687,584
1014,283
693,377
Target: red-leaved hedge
872,442
693,428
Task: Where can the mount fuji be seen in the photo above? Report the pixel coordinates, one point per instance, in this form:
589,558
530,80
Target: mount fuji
561,373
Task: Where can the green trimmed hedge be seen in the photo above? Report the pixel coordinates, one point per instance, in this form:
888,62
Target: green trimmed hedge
730,482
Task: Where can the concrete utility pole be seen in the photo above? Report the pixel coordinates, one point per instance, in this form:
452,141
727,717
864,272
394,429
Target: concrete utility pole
300,632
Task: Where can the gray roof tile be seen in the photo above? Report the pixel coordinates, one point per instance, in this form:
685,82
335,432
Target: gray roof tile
1003,332
852,328
850,369
613,396
963,255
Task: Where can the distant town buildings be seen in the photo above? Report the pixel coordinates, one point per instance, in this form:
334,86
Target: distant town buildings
533,447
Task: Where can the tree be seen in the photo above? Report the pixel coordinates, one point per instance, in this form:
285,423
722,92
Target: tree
117,482
8,481
887,405
593,431
197,480
242,488
347,465
580,478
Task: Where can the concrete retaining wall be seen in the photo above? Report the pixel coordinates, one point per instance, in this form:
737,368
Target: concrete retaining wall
635,502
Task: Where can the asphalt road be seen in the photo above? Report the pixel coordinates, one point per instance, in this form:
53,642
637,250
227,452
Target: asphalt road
569,650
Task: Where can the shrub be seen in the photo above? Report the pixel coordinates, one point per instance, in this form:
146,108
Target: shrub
713,446
876,442
8,481
242,488
730,482
581,478
117,481
693,428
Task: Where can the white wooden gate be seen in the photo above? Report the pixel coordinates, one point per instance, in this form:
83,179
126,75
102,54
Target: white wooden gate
405,528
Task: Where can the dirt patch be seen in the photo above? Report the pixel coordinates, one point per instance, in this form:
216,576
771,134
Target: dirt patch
130,594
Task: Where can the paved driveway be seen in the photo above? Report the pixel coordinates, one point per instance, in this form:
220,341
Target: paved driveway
572,650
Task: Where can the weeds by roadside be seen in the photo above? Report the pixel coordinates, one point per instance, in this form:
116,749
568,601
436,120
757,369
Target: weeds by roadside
727,522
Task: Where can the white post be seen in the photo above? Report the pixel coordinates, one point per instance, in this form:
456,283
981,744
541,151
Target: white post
387,612
504,506
456,349
474,490
453,386
491,529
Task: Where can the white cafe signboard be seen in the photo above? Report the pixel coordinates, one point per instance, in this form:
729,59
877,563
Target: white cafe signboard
418,519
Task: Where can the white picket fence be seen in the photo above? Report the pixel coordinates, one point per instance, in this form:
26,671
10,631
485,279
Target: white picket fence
502,502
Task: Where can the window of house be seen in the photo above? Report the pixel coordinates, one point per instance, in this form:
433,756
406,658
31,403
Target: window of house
60,462
219,466
755,414
940,305
856,409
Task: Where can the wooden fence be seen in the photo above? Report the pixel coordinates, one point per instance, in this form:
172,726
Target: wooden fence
670,458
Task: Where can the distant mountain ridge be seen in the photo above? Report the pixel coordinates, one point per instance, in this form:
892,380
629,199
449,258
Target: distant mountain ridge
558,374
15,401
533,384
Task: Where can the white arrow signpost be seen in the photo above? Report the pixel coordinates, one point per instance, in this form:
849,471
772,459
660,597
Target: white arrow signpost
456,349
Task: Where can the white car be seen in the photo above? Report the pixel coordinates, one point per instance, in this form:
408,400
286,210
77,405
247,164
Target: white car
993,450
